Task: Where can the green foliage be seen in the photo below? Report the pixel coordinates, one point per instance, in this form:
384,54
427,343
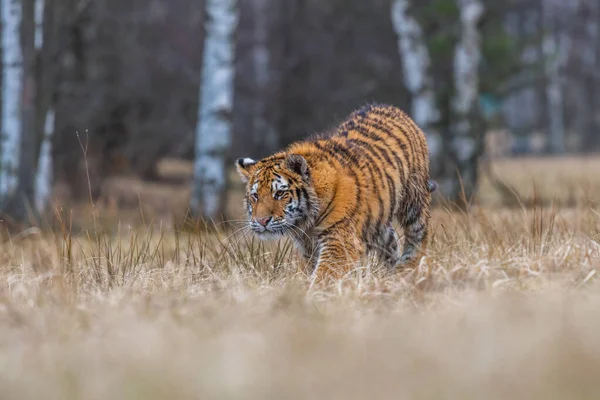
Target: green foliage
501,54
441,45
445,8
499,58
497,47
439,19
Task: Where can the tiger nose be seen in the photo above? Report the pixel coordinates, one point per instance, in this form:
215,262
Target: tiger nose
263,221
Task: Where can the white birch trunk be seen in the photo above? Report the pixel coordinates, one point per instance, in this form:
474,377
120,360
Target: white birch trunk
416,64
554,55
12,92
39,24
467,56
213,132
43,177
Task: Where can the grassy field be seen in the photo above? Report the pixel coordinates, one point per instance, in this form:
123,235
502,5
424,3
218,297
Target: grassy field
505,306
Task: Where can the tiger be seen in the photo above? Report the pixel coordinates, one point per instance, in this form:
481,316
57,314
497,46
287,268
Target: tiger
337,194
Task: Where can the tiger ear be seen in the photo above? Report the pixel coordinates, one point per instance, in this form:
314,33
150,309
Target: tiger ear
245,167
296,163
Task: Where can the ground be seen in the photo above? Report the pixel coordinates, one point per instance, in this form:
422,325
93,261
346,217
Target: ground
504,306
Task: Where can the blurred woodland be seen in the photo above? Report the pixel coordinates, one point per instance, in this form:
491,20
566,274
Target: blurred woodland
93,89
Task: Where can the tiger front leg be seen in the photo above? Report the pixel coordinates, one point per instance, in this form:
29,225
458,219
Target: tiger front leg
338,253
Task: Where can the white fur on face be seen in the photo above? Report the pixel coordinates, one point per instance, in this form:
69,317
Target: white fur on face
279,183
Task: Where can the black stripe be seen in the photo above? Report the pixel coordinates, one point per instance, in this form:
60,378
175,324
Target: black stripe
405,123
393,195
319,153
272,159
370,163
291,181
412,216
330,231
390,238
354,176
379,127
381,152
375,124
307,198
375,138
385,152
364,233
408,130
369,146
298,195
340,147
371,150
393,116
325,213
422,227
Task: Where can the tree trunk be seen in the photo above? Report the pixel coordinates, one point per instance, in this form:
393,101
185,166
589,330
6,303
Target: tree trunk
213,132
591,138
554,54
43,176
466,138
17,168
265,133
24,202
418,80
542,120
39,24
12,92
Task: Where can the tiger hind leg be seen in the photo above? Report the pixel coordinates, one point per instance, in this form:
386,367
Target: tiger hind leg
386,247
415,222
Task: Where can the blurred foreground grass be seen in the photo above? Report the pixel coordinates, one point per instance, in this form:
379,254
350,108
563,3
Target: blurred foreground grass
504,307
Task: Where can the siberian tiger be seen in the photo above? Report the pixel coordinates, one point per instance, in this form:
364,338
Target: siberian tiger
338,194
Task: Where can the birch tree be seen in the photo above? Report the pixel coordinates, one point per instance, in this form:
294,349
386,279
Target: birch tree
454,156
19,91
554,51
12,91
213,132
416,64
43,176
23,205
466,147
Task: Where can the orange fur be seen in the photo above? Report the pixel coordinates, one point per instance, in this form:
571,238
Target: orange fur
338,195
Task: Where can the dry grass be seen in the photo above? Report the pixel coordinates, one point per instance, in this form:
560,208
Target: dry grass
568,181
504,307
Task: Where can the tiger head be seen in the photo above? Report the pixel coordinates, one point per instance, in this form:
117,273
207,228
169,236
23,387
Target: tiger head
279,194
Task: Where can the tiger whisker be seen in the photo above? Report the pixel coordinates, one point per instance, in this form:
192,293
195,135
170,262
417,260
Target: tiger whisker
242,230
